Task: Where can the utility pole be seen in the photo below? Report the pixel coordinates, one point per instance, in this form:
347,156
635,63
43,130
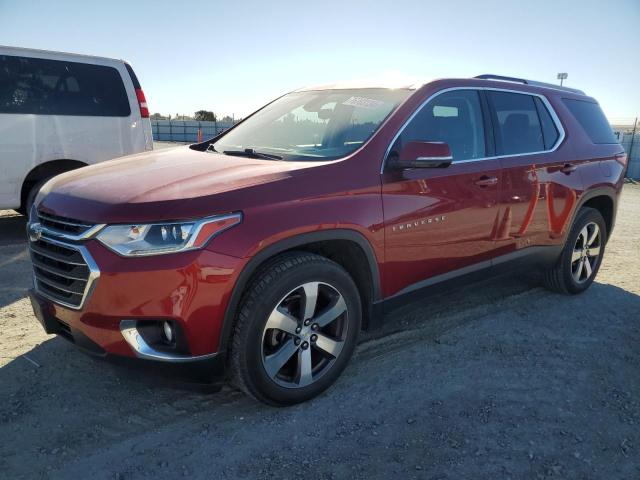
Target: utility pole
562,77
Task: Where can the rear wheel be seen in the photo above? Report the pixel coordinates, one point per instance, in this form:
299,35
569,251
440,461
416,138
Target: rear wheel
296,330
582,254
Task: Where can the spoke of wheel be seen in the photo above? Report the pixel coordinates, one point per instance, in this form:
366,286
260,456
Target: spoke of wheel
310,299
274,362
576,255
332,347
282,321
594,234
333,311
587,267
594,251
305,376
578,271
584,233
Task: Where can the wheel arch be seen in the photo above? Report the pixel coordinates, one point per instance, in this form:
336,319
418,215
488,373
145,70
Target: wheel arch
45,170
348,248
603,200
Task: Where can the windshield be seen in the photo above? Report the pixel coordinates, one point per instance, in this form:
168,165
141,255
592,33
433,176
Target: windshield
313,125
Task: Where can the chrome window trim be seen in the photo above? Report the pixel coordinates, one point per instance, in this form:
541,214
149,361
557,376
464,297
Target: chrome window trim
434,158
545,101
94,274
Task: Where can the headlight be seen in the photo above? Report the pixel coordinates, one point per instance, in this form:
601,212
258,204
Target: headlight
160,238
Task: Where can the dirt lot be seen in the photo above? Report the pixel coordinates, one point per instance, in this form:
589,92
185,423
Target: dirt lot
501,380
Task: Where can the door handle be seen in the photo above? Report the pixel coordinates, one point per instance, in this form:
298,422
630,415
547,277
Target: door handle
486,181
568,168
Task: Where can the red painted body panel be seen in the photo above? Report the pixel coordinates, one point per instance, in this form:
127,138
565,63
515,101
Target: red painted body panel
419,223
192,288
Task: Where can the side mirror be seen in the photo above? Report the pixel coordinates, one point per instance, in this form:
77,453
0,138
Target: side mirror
424,155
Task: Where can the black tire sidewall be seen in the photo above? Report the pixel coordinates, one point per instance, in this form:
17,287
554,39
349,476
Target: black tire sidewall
586,216
327,272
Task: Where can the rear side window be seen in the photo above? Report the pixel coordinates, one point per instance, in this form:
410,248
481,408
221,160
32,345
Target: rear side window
550,132
518,128
454,118
592,120
53,87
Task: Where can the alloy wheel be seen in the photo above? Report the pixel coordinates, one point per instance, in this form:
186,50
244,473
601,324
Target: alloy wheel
304,334
586,252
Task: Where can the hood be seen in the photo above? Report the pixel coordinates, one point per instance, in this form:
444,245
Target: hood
160,185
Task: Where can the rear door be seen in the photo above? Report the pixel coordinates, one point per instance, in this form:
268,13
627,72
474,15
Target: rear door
441,221
540,180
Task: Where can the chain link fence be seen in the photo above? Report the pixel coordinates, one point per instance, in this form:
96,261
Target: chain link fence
628,135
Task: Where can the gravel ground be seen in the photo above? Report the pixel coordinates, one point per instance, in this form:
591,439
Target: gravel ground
500,380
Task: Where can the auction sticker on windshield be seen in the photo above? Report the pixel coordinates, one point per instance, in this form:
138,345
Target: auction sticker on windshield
363,102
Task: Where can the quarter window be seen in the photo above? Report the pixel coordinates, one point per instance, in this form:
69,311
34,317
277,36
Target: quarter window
454,118
592,120
518,128
53,87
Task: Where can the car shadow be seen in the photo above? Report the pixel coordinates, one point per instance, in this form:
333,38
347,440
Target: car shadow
14,259
79,401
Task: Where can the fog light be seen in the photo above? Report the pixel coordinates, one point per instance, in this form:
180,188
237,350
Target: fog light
167,328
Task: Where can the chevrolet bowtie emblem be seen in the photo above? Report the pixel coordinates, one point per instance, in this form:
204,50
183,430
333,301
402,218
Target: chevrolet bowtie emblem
35,231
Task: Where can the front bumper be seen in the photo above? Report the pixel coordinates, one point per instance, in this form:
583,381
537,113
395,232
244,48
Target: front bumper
190,289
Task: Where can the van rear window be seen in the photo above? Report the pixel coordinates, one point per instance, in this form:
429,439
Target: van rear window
53,87
592,120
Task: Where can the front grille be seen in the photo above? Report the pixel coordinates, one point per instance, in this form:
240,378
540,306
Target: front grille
63,225
61,271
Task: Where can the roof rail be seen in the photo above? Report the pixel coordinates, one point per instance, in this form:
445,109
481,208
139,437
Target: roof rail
490,76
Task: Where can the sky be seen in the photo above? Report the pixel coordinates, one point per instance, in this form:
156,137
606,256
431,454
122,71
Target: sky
232,57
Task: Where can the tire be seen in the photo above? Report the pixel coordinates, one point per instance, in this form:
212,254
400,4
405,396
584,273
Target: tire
274,356
570,274
31,197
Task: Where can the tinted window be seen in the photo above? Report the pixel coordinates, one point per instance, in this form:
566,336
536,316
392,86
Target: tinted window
590,116
550,133
52,87
454,118
518,127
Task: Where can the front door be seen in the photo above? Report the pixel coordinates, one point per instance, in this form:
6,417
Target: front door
440,222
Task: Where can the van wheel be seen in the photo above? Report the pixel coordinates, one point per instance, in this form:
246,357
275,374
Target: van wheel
296,329
31,197
582,255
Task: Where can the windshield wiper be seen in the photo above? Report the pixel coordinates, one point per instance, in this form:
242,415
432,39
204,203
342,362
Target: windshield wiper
251,153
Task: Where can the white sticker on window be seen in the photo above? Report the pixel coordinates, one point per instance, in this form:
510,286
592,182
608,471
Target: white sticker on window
363,102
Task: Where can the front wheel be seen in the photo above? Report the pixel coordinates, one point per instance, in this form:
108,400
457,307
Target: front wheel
582,255
296,329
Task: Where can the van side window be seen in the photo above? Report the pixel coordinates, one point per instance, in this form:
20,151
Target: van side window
518,127
454,118
550,132
52,87
592,120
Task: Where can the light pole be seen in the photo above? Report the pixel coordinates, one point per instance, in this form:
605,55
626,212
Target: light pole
562,77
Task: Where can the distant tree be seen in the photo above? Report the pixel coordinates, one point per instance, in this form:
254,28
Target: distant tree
227,119
205,116
158,116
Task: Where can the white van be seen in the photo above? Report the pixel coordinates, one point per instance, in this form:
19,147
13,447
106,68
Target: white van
61,111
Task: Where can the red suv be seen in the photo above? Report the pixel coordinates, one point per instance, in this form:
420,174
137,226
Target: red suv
264,252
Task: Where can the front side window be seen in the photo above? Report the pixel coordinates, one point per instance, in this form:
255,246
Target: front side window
52,87
454,118
518,128
313,125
